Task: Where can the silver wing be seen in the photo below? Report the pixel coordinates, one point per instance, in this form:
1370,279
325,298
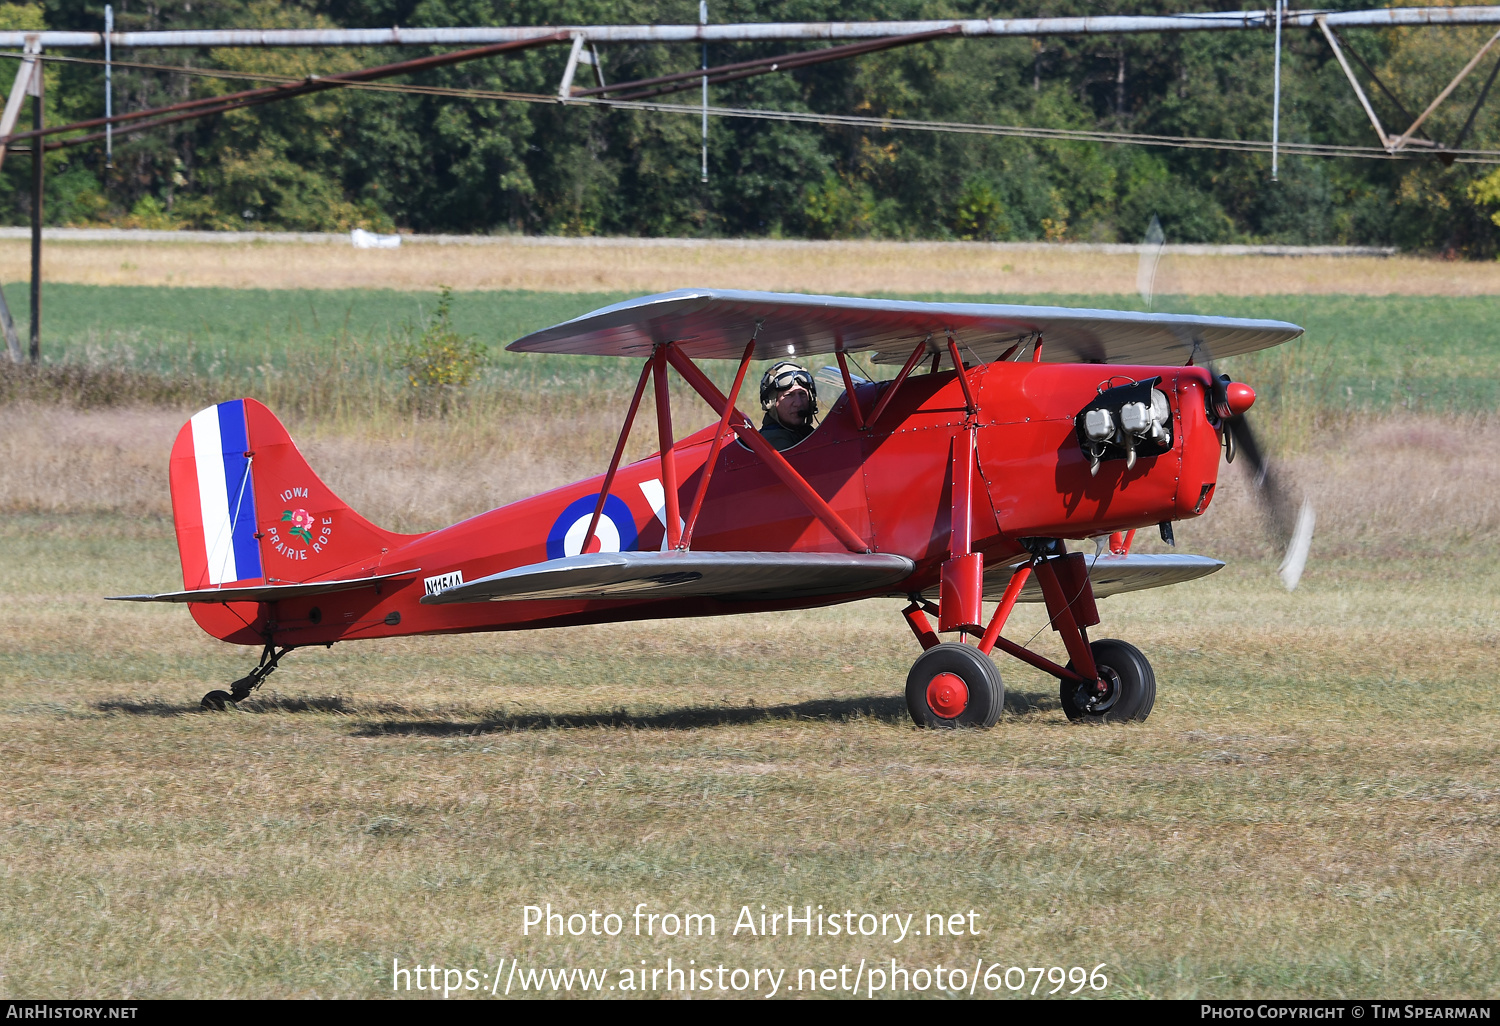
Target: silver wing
666,575
718,323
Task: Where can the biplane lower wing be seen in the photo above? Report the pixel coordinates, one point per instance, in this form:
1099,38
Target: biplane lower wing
724,575
265,592
1116,575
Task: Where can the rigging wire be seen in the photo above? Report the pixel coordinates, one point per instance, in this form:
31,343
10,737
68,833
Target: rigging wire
844,120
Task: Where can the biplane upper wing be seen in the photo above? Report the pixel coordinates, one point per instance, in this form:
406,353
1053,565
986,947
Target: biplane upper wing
1116,575
717,324
265,592
724,575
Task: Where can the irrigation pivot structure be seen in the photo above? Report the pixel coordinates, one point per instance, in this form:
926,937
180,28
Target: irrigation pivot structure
852,39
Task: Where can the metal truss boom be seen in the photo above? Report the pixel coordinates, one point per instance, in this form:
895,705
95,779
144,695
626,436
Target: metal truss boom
1390,17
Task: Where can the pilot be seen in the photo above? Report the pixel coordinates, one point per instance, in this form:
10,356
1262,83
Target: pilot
790,399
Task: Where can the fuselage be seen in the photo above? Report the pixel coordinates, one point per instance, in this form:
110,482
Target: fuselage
890,483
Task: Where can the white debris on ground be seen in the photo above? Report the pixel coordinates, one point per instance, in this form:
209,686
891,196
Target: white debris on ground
369,240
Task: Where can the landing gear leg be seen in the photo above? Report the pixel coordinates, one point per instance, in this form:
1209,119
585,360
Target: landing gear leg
240,689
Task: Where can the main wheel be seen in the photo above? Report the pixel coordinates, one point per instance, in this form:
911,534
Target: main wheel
214,700
1127,688
953,685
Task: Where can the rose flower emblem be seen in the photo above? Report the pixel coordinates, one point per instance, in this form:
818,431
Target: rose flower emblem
301,522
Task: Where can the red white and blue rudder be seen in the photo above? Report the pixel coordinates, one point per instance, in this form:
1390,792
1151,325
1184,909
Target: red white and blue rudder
247,507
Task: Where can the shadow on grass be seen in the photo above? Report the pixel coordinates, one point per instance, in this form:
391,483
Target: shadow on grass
269,703
881,708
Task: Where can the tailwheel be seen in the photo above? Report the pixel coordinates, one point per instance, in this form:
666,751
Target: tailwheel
953,685
240,689
1125,690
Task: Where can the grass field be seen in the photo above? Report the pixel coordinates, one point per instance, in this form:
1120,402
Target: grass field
1372,353
1311,811
654,265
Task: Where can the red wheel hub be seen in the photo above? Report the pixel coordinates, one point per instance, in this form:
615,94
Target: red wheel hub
947,695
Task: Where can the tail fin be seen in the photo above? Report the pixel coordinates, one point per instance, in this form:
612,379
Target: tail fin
247,507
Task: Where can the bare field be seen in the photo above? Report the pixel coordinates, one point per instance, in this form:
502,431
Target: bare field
628,265
1312,809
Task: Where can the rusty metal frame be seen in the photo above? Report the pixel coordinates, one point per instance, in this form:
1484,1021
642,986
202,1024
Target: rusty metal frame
681,81
136,121
1397,143
777,463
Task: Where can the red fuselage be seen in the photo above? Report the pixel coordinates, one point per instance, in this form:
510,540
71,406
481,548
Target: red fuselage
890,483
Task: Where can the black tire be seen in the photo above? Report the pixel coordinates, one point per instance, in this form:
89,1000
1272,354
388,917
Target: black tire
214,701
979,702
1131,692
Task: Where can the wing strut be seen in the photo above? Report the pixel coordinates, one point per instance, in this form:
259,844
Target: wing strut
890,393
664,434
859,417
713,452
614,461
762,448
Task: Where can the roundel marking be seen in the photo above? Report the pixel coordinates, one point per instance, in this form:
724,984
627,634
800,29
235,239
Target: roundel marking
615,533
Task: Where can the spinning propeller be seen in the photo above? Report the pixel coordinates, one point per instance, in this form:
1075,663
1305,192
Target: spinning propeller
1291,522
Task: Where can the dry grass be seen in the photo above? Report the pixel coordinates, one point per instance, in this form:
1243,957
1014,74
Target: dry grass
1392,487
593,265
1311,811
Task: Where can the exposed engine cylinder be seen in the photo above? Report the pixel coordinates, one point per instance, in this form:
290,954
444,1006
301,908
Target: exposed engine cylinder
1126,422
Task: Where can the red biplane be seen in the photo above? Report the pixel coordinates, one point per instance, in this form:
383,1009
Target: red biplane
1028,427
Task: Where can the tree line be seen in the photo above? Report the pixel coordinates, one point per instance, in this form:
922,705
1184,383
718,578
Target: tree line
390,160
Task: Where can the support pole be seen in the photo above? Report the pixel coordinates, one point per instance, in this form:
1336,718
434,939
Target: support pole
8,120
713,451
1276,94
37,152
777,463
703,20
109,88
664,434
614,461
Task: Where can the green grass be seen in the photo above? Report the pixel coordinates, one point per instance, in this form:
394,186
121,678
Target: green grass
1310,812
1435,354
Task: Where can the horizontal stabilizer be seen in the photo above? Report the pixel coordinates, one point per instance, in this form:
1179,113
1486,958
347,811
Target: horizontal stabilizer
670,575
264,592
1116,575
